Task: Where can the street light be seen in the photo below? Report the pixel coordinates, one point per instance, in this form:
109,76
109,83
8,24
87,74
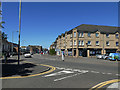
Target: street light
19,32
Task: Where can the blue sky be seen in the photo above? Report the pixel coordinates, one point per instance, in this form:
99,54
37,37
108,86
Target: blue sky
43,22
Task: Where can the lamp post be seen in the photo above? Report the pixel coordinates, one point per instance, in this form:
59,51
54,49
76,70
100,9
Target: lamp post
19,32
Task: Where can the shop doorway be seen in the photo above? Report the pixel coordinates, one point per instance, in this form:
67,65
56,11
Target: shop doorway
84,53
75,52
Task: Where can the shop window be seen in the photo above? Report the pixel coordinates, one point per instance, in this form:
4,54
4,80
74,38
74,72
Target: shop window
117,35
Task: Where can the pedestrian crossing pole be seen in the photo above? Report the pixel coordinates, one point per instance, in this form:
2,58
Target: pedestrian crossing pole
19,32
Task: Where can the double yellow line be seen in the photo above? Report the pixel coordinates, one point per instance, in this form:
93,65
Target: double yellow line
51,70
100,85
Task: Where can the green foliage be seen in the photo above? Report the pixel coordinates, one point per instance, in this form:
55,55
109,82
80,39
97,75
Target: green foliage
52,52
4,36
1,22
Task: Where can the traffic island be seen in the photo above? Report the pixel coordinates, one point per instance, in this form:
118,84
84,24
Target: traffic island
24,70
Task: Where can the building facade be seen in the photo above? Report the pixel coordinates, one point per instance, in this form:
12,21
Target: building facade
88,40
34,48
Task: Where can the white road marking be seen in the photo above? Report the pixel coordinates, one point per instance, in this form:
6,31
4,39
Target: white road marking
114,85
76,70
103,73
60,68
68,69
58,73
109,73
117,74
67,77
84,71
95,72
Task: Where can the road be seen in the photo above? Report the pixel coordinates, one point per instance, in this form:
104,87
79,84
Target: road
72,73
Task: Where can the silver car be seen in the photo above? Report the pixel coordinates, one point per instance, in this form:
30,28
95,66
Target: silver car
27,55
99,56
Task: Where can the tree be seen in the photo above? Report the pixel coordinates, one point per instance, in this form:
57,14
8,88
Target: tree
1,22
4,36
52,52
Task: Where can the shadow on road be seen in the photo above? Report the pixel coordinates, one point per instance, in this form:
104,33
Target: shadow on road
13,69
9,61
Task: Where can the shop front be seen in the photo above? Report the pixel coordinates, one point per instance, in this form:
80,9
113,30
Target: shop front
108,51
82,52
94,52
70,52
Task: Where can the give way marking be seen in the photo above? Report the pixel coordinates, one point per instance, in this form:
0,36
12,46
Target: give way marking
59,73
66,72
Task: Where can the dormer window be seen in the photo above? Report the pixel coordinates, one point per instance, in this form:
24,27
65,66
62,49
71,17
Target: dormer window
89,34
80,34
97,34
74,34
117,35
107,35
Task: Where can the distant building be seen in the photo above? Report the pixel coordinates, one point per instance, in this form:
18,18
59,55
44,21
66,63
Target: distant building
88,40
34,48
53,46
23,49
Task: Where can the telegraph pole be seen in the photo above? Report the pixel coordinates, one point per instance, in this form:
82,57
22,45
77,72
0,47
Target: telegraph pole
19,32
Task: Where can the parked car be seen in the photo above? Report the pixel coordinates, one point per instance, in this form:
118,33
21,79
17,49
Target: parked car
105,56
27,55
99,56
114,56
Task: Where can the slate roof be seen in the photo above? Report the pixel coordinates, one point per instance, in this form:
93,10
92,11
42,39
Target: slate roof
100,28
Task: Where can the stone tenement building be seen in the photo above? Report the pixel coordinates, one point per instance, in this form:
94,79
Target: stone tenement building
88,40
